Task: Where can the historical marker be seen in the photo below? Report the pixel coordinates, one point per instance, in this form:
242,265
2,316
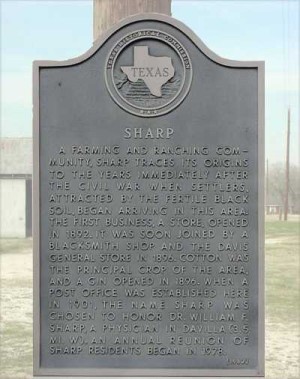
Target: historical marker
148,208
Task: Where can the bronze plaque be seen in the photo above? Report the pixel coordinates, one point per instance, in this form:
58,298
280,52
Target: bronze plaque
148,208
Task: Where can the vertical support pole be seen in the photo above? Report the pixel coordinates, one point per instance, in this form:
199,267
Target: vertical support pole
106,13
287,168
267,187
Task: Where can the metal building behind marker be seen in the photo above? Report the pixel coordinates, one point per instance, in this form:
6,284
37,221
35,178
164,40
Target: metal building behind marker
15,187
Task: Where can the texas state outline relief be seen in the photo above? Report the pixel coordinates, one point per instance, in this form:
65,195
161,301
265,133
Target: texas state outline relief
154,71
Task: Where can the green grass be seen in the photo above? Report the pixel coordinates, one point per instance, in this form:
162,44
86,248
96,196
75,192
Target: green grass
275,229
282,271
282,299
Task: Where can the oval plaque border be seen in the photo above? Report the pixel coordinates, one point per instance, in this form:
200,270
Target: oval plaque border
122,101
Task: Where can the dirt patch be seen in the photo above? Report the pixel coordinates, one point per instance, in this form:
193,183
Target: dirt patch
282,351
16,315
